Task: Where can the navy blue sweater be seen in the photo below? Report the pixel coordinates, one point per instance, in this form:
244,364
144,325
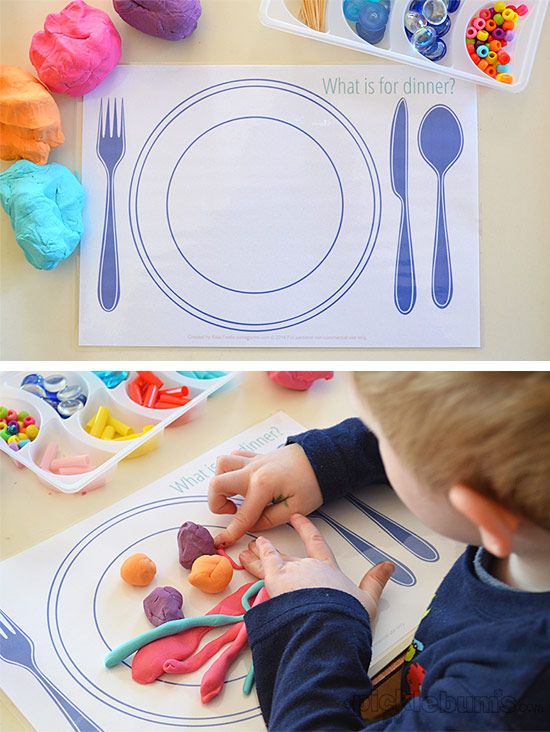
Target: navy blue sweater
480,659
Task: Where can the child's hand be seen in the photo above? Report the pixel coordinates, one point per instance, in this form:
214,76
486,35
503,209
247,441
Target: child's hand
274,487
285,574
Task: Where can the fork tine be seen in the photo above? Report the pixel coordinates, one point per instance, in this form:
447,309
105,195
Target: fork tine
100,121
115,121
122,130
107,131
5,624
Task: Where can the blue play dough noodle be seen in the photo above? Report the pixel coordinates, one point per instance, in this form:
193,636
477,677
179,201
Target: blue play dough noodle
45,204
126,649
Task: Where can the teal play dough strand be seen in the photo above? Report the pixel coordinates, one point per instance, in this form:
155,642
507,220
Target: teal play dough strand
126,649
249,681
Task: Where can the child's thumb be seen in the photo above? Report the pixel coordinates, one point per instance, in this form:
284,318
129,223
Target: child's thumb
376,579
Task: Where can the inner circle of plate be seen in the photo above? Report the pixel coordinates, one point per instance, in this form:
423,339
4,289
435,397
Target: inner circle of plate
66,637
341,270
273,271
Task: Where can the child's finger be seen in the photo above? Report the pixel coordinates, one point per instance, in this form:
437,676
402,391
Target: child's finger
248,514
245,453
254,550
316,546
252,563
272,516
221,486
228,463
376,579
271,559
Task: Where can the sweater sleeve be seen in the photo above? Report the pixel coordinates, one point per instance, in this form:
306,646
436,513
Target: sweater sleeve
344,457
311,650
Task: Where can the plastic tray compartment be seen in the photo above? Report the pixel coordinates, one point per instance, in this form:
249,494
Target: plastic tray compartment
283,15
72,438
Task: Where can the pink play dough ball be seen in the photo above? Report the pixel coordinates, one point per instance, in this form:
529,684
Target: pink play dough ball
77,49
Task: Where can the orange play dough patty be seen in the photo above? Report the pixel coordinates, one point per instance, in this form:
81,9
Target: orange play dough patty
211,573
138,570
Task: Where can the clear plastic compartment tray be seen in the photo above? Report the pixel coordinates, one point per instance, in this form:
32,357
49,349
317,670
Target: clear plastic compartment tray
283,15
71,436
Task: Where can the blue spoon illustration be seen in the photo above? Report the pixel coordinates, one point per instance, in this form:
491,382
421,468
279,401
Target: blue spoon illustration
441,140
402,574
408,539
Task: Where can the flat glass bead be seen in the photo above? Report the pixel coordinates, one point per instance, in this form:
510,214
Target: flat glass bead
414,21
34,389
71,391
69,407
112,378
352,8
443,28
32,379
424,39
435,11
55,383
373,16
437,51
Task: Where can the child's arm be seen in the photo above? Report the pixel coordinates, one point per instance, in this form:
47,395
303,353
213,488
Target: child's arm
311,642
314,467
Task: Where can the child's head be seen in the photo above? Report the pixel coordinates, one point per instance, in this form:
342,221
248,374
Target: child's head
487,433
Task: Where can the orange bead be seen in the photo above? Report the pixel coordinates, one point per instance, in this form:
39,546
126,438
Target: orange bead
490,25
491,71
483,64
138,570
495,46
505,78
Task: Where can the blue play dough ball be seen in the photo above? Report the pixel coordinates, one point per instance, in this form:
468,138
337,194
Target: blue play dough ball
45,204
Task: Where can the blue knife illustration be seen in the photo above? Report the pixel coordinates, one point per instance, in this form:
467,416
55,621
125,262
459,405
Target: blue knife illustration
405,281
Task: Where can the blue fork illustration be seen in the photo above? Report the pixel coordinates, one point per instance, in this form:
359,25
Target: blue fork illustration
111,146
18,649
408,539
402,574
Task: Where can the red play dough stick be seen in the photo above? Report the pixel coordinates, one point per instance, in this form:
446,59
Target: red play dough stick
173,666
148,662
221,551
213,680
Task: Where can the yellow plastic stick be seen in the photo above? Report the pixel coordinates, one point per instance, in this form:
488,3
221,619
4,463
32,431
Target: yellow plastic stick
100,422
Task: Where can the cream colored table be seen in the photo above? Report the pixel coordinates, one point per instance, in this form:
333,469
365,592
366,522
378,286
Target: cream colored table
31,513
39,318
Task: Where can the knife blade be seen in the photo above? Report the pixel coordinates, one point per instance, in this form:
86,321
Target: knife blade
405,280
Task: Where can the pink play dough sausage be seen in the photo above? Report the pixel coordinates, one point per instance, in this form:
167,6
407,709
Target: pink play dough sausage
213,680
173,666
148,662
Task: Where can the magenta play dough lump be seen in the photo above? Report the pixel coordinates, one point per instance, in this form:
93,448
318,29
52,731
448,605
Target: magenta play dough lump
194,541
162,605
168,19
77,49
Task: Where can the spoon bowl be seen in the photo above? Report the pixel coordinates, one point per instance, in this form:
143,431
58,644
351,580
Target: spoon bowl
441,141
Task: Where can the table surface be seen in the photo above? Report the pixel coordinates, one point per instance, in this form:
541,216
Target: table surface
31,513
513,157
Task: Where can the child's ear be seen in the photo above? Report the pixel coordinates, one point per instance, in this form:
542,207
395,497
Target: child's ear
496,524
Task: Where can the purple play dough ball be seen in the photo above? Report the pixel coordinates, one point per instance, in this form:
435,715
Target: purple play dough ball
193,542
168,19
162,605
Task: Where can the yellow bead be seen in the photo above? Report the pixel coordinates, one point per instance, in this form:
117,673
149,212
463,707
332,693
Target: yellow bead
482,35
13,438
32,431
119,427
499,7
108,433
505,78
100,422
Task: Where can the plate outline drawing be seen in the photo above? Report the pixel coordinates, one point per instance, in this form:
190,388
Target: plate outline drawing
279,86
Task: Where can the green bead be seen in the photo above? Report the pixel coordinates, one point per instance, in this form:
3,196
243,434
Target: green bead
5,434
21,416
3,412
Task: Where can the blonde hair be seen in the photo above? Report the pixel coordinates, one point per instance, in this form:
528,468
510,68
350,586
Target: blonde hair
490,430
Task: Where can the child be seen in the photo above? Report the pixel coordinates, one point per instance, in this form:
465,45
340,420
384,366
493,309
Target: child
469,454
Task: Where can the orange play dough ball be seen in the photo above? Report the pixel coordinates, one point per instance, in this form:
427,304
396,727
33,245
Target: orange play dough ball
138,570
211,573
